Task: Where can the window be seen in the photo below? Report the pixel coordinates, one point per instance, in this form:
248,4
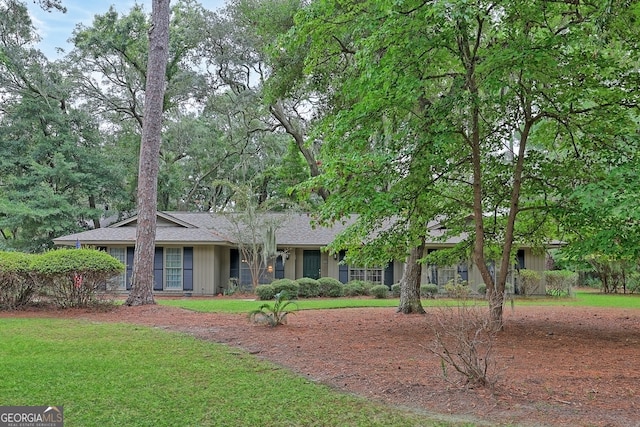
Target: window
441,275
173,268
119,282
374,275
447,274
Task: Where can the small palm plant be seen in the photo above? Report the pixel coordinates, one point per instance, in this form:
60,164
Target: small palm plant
274,315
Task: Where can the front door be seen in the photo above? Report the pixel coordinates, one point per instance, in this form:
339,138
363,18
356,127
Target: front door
311,264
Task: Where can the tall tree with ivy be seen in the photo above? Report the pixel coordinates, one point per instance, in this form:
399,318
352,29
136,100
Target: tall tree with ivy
471,114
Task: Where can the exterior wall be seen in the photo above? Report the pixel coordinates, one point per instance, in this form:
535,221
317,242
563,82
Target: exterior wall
205,269
532,261
536,261
398,271
332,267
290,265
211,269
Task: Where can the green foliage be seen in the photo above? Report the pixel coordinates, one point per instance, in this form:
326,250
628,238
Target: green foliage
285,285
17,286
53,164
75,277
352,290
560,282
395,290
265,292
276,314
530,281
232,286
538,99
457,290
361,287
592,282
330,287
429,290
379,291
357,288
482,289
308,288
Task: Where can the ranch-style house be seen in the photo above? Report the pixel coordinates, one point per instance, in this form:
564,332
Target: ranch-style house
197,254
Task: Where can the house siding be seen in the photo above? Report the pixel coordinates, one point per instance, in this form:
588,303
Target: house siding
204,271
532,261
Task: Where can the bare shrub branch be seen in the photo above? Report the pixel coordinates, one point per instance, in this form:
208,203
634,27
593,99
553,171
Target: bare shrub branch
464,340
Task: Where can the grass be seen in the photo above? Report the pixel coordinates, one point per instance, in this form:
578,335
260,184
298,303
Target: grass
124,375
586,298
223,305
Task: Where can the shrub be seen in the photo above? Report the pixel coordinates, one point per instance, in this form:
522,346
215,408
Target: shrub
592,282
395,290
265,292
287,285
379,291
429,290
354,288
482,289
75,277
559,282
330,287
458,290
529,281
633,286
358,287
276,314
232,287
17,287
308,288
464,340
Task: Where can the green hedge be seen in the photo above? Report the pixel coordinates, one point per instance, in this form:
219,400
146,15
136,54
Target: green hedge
330,287
429,290
265,292
379,291
529,281
17,284
395,290
75,277
287,285
560,282
308,288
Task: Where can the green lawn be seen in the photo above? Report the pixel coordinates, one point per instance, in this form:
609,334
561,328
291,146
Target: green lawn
224,305
124,375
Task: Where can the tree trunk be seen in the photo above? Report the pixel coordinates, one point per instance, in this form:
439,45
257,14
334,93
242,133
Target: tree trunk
92,205
142,275
410,283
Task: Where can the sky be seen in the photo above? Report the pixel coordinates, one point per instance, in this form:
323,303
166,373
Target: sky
55,27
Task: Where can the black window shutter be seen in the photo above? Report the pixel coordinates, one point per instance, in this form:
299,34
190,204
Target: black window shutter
388,274
343,269
187,269
130,250
158,263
